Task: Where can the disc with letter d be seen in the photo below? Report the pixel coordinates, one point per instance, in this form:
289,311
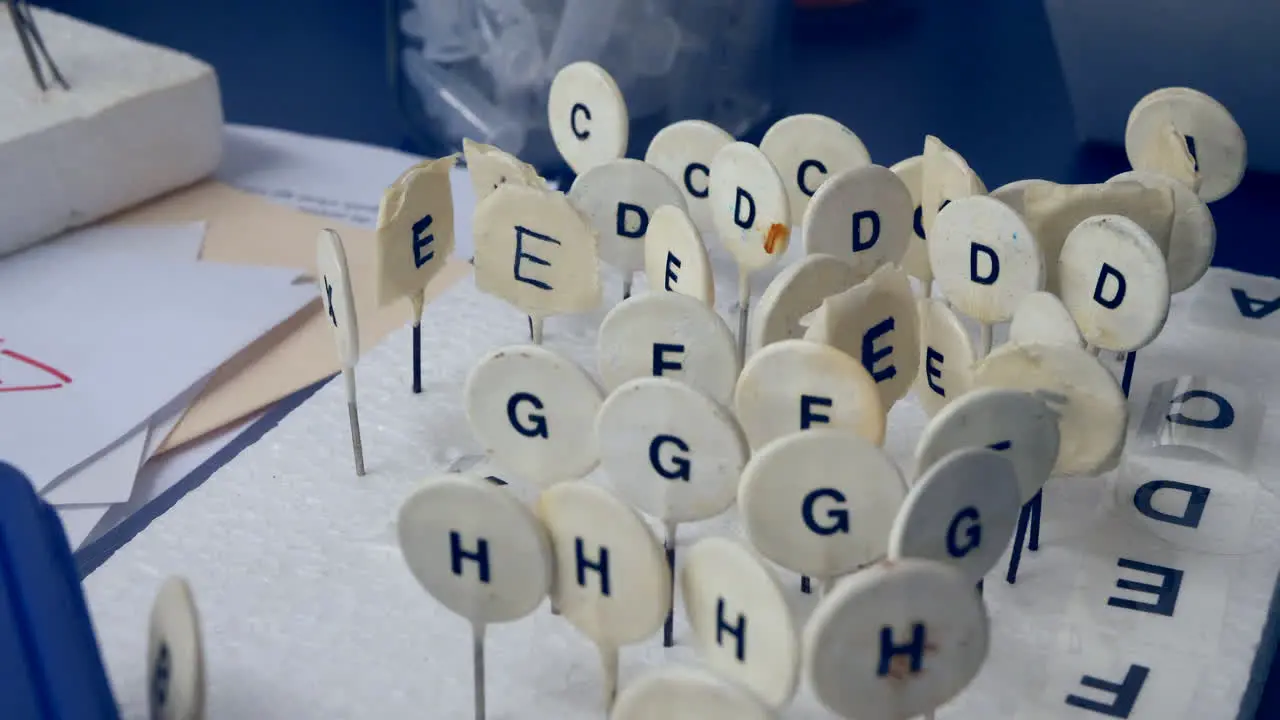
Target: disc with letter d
175,655
749,206
676,692
619,198
862,215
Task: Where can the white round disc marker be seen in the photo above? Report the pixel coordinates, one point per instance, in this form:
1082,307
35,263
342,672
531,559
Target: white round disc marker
1015,423
1193,237
794,293
928,612
808,150
337,295
678,692
683,150
1092,411
675,260
535,412
670,451
1012,194
946,357
1042,318
475,548
749,206
820,502
1215,141
984,258
792,385
916,259
668,335
587,116
961,512
863,215
619,197
724,585
1112,278
175,655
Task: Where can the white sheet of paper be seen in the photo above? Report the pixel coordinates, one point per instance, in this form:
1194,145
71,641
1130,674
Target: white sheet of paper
107,479
177,242
78,521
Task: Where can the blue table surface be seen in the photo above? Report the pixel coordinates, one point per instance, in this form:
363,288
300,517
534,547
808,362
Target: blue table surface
983,75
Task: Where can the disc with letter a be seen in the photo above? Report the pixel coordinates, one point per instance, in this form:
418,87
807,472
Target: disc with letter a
678,692
749,206
862,215
792,385
535,412
670,451
808,150
1041,317
820,502
1193,237
946,357
490,168
339,299
670,335
741,623
896,640
675,260
175,655
1214,140
794,293
612,580
1092,411
683,150
587,116
1113,280
916,260
475,548
619,198
961,512
1012,194
984,258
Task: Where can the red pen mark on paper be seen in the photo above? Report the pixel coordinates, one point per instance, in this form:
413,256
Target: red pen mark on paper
63,378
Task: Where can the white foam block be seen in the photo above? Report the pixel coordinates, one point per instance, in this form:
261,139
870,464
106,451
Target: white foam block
139,120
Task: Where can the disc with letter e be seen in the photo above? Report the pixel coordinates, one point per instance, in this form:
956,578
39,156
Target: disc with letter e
175,655
896,640
749,206
677,692
863,216
675,260
619,198
946,357
587,116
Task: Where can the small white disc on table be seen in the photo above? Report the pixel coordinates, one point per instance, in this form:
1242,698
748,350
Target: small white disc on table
1092,411
1193,236
808,150
896,640
475,548
1113,280
1012,194
946,359
612,581
1015,423
749,206
945,177
961,512
677,692
1214,139
741,622
535,412
984,257
862,215
875,322
490,167
587,116
619,197
794,293
670,335
414,232
175,655
683,150
1042,318
820,502
916,260
670,451
339,299
792,385
675,260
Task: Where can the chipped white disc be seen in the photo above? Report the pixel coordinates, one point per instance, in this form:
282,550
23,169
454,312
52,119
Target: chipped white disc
1113,281
1042,318
1093,413
587,116
535,412
1193,237
475,548
338,298
793,385
808,150
1012,194
916,259
946,357
862,215
984,258
670,335
741,623
675,260
820,502
1219,143
175,655
414,232
683,150
962,512
794,293
489,168
945,177
670,451
679,692
875,322
927,610
619,198
612,580
749,206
